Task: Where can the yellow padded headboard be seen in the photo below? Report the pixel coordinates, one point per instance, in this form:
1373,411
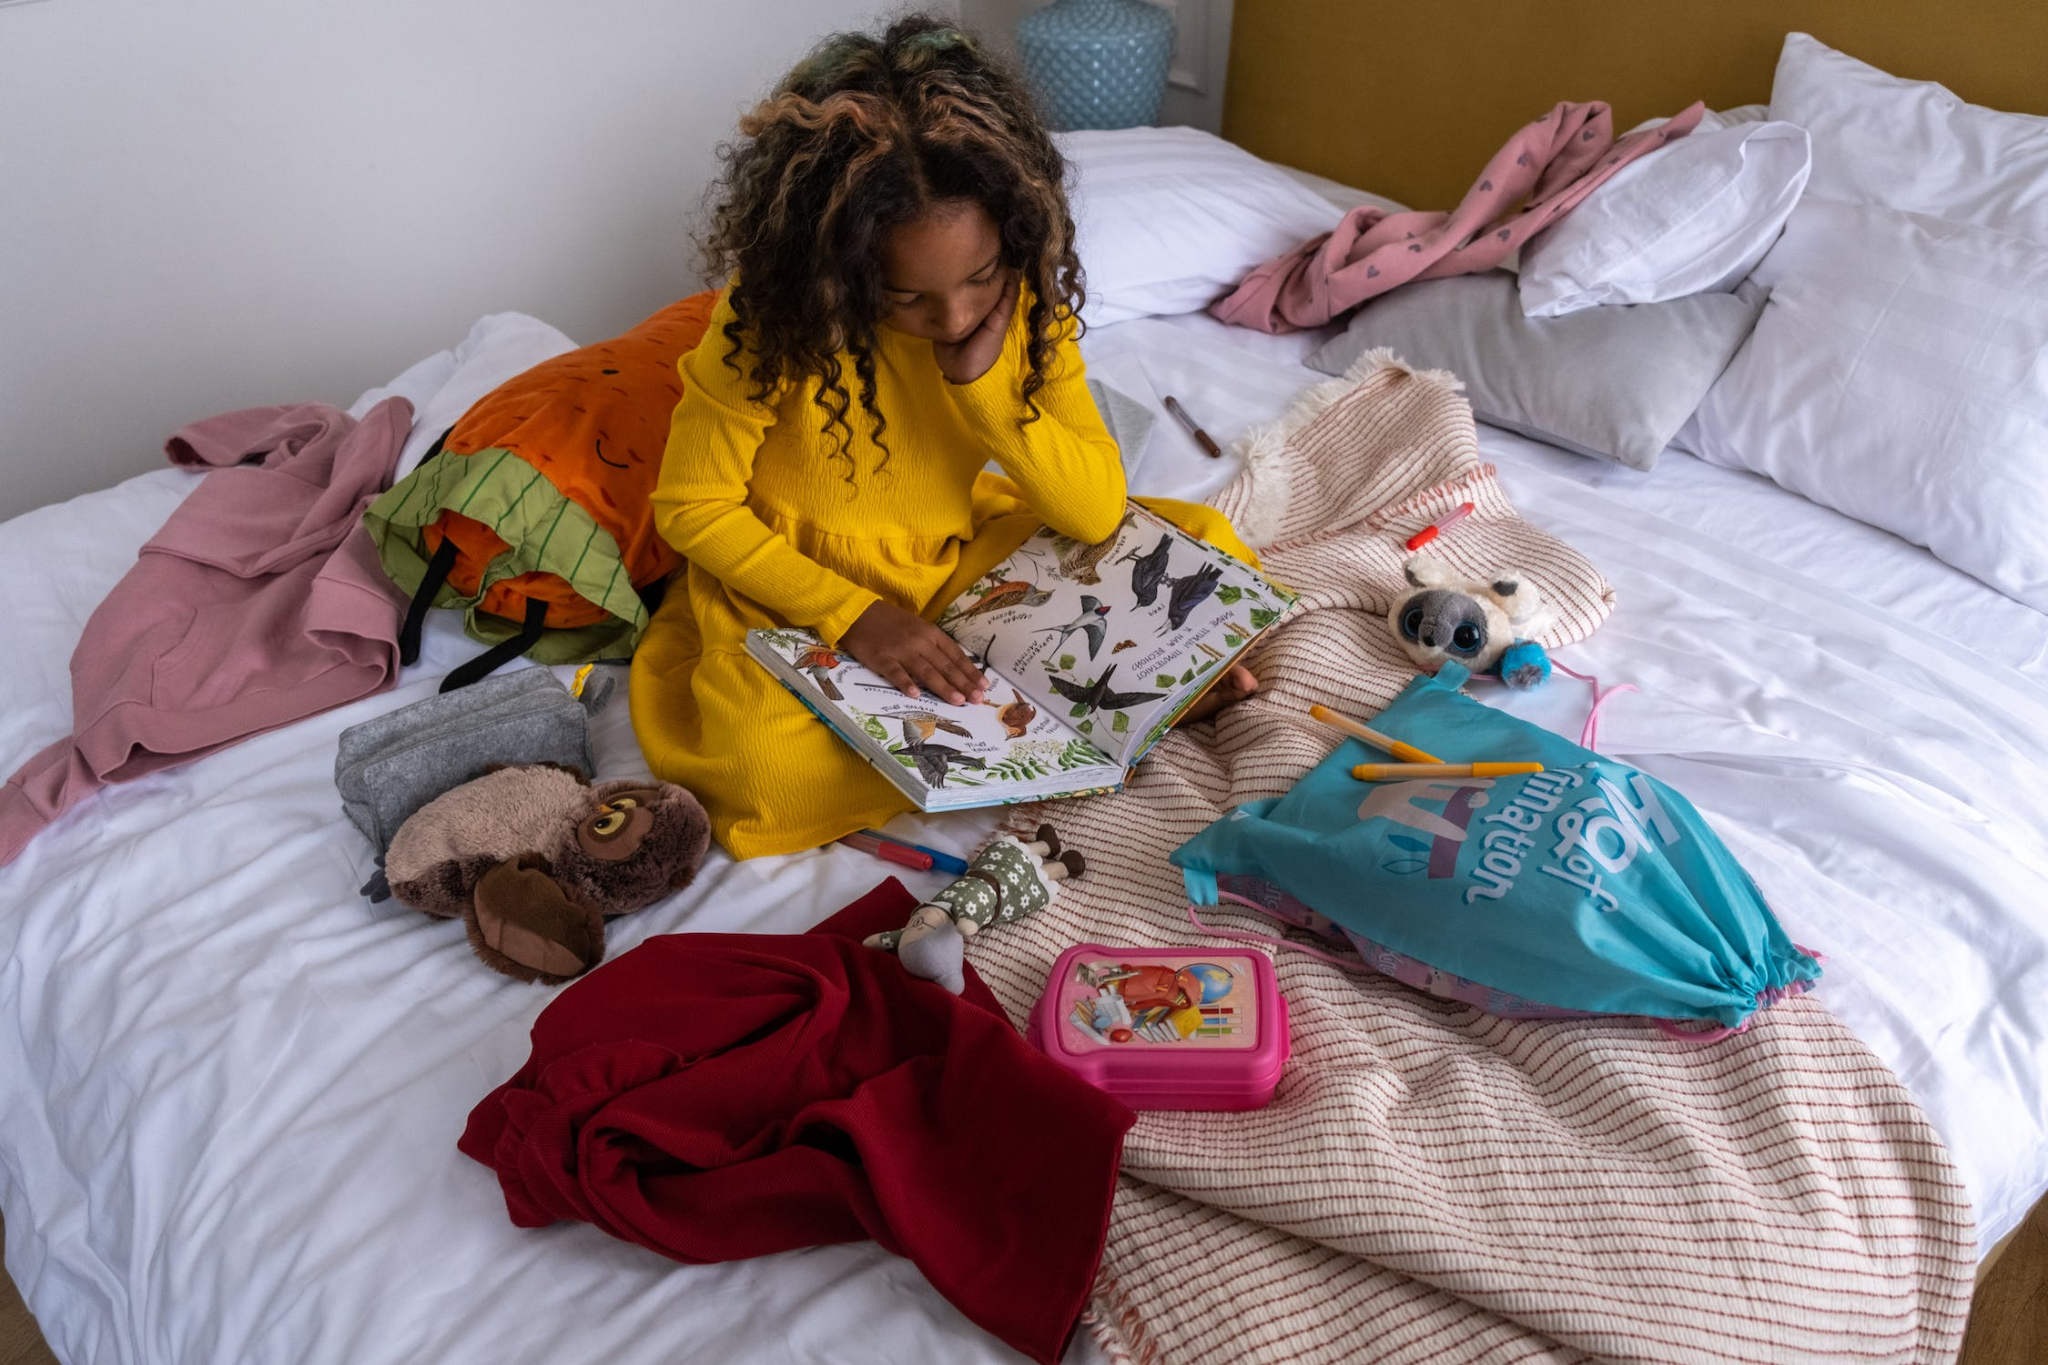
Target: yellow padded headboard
1409,100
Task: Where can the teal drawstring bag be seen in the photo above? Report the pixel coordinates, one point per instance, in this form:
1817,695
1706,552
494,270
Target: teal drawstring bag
1590,887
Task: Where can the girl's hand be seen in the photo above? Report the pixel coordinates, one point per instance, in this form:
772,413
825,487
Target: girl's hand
910,651
963,362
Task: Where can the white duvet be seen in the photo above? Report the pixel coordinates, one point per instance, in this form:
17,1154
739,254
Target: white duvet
230,1088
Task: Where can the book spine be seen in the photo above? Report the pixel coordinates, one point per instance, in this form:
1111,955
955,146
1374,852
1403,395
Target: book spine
863,745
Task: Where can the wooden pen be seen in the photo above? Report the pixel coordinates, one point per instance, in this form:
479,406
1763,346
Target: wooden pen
1202,438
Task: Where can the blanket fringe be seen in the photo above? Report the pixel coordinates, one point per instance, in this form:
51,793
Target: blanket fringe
1265,509
1107,1337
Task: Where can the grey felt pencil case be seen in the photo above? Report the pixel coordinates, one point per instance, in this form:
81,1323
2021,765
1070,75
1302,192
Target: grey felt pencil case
391,765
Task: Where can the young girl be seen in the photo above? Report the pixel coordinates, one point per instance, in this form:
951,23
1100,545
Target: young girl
901,310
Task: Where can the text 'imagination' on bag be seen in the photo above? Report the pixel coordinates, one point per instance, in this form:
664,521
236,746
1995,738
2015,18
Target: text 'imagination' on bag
1588,887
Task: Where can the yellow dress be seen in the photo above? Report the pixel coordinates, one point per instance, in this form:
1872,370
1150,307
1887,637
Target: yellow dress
756,499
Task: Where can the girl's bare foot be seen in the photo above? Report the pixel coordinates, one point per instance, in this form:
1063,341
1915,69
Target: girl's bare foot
1232,688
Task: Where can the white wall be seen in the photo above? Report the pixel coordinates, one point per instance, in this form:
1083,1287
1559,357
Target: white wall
212,204
996,20
1201,52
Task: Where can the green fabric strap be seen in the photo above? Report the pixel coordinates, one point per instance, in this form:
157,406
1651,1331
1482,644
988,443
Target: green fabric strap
546,533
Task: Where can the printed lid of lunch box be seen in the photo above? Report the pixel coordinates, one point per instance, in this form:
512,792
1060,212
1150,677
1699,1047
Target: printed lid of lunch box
1147,998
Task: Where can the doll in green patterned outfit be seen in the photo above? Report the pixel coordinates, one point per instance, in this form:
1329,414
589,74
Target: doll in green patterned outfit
1007,880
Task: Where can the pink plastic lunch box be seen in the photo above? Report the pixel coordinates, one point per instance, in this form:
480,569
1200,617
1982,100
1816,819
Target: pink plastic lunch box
1166,1028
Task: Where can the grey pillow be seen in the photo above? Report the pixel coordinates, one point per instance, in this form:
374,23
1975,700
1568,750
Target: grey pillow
1615,382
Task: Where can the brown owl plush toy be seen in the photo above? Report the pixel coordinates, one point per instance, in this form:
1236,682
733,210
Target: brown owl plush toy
534,859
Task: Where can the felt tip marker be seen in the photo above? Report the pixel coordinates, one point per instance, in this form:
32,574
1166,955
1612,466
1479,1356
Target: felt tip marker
1376,772
889,851
1441,525
1408,753
943,862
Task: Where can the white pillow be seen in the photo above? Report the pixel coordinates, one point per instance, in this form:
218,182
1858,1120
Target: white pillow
1899,374
1692,218
1912,145
1713,120
1168,220
1728,118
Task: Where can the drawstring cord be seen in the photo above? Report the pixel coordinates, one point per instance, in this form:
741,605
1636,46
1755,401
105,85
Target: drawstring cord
1358,968
1589,737
1670,1029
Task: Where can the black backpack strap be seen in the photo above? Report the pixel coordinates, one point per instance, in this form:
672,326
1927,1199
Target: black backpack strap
488,662
436,575
423,600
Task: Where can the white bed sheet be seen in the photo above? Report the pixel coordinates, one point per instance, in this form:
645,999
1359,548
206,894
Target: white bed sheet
228,1100
230,1088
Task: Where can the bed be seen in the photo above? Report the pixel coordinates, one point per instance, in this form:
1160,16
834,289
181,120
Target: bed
229,1088
233,1086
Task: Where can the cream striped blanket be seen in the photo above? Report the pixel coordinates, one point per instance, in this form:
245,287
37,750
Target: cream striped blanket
1431,1183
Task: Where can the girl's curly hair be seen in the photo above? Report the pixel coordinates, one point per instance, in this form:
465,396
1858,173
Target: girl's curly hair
864,135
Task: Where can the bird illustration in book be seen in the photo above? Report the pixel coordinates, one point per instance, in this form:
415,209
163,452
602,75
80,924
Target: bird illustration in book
926,722
1097,696
818,661
1089,621
1015,592
933,761
1148,569
1079,558
1016,715
1189,593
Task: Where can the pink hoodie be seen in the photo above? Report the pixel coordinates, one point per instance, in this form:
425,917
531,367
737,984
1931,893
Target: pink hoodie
1545,171
260,602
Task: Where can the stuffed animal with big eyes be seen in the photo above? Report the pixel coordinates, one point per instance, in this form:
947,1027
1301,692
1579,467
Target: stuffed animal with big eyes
1484,625
534,859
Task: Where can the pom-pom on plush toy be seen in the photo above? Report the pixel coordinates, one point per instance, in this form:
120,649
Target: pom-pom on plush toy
1484,625
1007,880
534,859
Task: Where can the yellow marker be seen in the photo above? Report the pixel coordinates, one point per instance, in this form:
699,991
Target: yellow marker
1377,772
1408,753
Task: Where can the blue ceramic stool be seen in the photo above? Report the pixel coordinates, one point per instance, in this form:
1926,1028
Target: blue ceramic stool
1097,63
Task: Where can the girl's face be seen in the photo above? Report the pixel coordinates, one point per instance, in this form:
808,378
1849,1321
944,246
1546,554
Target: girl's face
942,272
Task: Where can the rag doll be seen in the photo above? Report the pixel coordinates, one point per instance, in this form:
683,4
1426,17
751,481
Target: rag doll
1484,625
534,859
1007,880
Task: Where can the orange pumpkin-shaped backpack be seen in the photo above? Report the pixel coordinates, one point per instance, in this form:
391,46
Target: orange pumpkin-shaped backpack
531,513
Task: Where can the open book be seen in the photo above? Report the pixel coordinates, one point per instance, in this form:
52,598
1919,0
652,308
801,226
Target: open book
1091,651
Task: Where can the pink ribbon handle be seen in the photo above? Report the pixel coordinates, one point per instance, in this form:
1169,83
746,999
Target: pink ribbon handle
1589,737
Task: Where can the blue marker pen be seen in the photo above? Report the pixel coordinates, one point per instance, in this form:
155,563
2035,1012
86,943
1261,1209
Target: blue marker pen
941,862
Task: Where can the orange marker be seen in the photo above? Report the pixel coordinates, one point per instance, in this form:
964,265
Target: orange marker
1437,528
1378,772
1406,752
